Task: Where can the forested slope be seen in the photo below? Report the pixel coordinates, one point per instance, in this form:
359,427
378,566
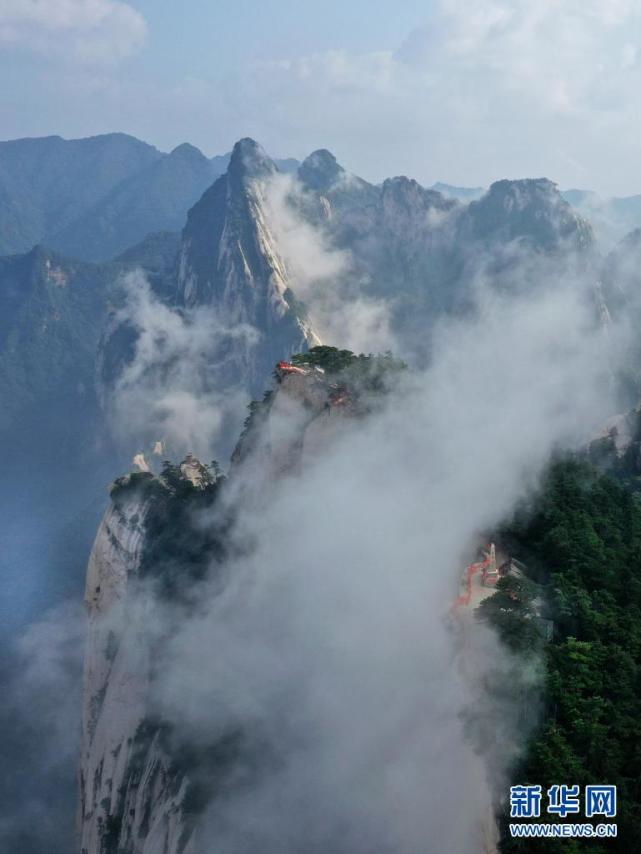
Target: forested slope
583,544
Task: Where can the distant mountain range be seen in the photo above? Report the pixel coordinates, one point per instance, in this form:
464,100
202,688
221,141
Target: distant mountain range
93,198
611,218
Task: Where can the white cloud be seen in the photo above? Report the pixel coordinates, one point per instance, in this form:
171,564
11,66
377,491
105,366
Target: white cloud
84,31
483,90
177,387
324,277
557,55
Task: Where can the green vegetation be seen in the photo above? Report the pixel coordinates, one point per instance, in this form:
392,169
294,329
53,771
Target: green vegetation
258,410
583,544
141,484
625,467
330,359
371,372
179,547
513,612
370,375
110,833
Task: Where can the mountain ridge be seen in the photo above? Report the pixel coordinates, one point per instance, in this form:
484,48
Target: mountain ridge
76,194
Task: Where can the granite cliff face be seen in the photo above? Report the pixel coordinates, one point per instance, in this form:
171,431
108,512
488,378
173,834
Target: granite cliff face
229,259
415,251
131,795
229,269
121,781
409,246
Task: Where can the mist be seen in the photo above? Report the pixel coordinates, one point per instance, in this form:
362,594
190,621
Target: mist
325,278
178,387
40,708
331,646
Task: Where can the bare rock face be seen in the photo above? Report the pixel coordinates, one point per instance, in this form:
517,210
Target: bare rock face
194,471
530,210
130,798
230,270
229,259
306,405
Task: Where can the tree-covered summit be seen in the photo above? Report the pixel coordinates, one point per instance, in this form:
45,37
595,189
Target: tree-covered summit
333,360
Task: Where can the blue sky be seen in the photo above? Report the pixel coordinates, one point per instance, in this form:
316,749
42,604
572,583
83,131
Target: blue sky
465,91
233,33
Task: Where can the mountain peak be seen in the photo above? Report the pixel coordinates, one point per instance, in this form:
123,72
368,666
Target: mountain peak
320,170
531,207
522,194
187,151
524,191
249,160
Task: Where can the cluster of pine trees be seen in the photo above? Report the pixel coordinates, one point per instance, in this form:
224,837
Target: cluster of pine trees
582,545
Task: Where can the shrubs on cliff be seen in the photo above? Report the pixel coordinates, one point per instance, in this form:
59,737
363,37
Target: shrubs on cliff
184,536
258,411
361,377
135,485
372,373
513,612
330,359
178,547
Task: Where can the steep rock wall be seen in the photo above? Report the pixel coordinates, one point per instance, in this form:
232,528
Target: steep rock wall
131,796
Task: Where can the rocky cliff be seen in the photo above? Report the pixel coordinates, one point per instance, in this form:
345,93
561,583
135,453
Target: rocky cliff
136,796
141,790
130,798
230,259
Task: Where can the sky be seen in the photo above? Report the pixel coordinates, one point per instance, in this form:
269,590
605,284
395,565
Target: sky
462,91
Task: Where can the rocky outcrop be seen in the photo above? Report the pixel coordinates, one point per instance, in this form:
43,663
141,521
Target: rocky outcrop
140,792
302,420
130,794
321,171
